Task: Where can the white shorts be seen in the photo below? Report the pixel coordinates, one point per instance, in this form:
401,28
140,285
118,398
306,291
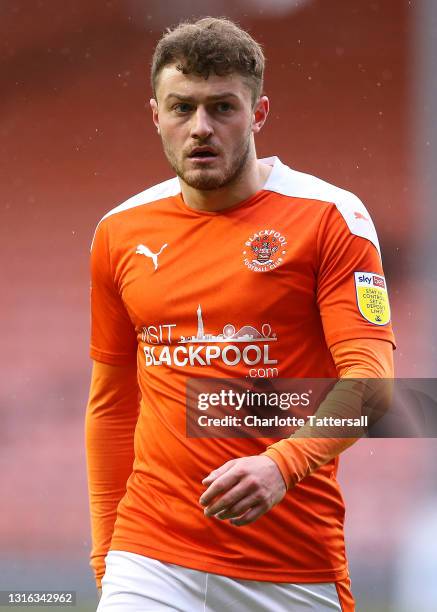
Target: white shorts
134,583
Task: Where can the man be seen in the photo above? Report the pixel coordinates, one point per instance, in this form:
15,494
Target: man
237,268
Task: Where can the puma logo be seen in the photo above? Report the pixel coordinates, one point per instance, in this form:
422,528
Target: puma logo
359,215
142,249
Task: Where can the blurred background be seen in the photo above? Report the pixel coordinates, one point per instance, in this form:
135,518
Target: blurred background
353,100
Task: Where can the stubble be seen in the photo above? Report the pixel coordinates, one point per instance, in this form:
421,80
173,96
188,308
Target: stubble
204,179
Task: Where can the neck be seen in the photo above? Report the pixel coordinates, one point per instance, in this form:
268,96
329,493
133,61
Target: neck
251,180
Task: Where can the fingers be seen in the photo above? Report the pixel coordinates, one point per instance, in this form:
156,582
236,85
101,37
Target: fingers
237,494
218,472
243,489
236,501
242,506
219,486
252,515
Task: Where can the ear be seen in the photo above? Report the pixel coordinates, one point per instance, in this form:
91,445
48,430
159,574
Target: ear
155,115
260,113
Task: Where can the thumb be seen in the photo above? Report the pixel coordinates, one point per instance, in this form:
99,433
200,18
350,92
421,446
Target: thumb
218,472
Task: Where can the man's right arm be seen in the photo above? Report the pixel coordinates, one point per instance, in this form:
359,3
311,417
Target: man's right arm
111,417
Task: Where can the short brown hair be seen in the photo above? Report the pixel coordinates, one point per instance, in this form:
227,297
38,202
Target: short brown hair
211,45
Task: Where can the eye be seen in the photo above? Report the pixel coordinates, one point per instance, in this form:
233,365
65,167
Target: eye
182,108
224,107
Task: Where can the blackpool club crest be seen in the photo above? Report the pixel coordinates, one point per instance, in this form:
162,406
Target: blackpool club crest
264,250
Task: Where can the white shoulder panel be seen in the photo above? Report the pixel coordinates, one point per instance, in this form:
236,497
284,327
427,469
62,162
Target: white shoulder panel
290,182
166,189
157,192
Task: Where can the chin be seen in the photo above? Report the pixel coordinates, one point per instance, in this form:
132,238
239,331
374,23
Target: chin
205,181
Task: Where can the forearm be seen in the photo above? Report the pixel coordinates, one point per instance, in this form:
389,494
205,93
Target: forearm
110,422
303,453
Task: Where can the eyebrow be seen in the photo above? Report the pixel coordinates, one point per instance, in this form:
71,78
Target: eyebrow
225,94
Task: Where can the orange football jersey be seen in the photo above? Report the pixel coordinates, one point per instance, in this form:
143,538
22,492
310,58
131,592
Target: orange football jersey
259,290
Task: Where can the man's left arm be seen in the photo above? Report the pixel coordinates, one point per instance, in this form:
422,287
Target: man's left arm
244,489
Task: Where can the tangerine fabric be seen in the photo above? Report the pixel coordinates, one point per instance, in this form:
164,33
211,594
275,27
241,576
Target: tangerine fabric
265,288
345,596
111,417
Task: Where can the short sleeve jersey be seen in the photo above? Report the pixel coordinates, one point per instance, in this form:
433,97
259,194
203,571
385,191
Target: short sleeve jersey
262,289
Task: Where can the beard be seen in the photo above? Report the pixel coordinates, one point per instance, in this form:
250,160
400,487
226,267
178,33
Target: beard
205,179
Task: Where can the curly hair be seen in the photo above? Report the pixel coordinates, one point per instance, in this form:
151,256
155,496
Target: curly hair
210,46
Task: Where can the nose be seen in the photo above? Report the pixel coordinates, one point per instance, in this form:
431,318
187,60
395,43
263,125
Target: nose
201,127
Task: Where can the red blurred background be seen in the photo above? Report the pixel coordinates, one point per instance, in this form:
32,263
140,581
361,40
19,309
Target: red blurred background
77,139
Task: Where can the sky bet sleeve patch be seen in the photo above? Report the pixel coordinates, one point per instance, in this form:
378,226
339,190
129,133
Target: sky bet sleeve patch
372,297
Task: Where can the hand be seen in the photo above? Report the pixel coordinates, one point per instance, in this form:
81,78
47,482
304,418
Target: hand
243,489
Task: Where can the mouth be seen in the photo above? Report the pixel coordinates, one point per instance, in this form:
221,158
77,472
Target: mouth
202,154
